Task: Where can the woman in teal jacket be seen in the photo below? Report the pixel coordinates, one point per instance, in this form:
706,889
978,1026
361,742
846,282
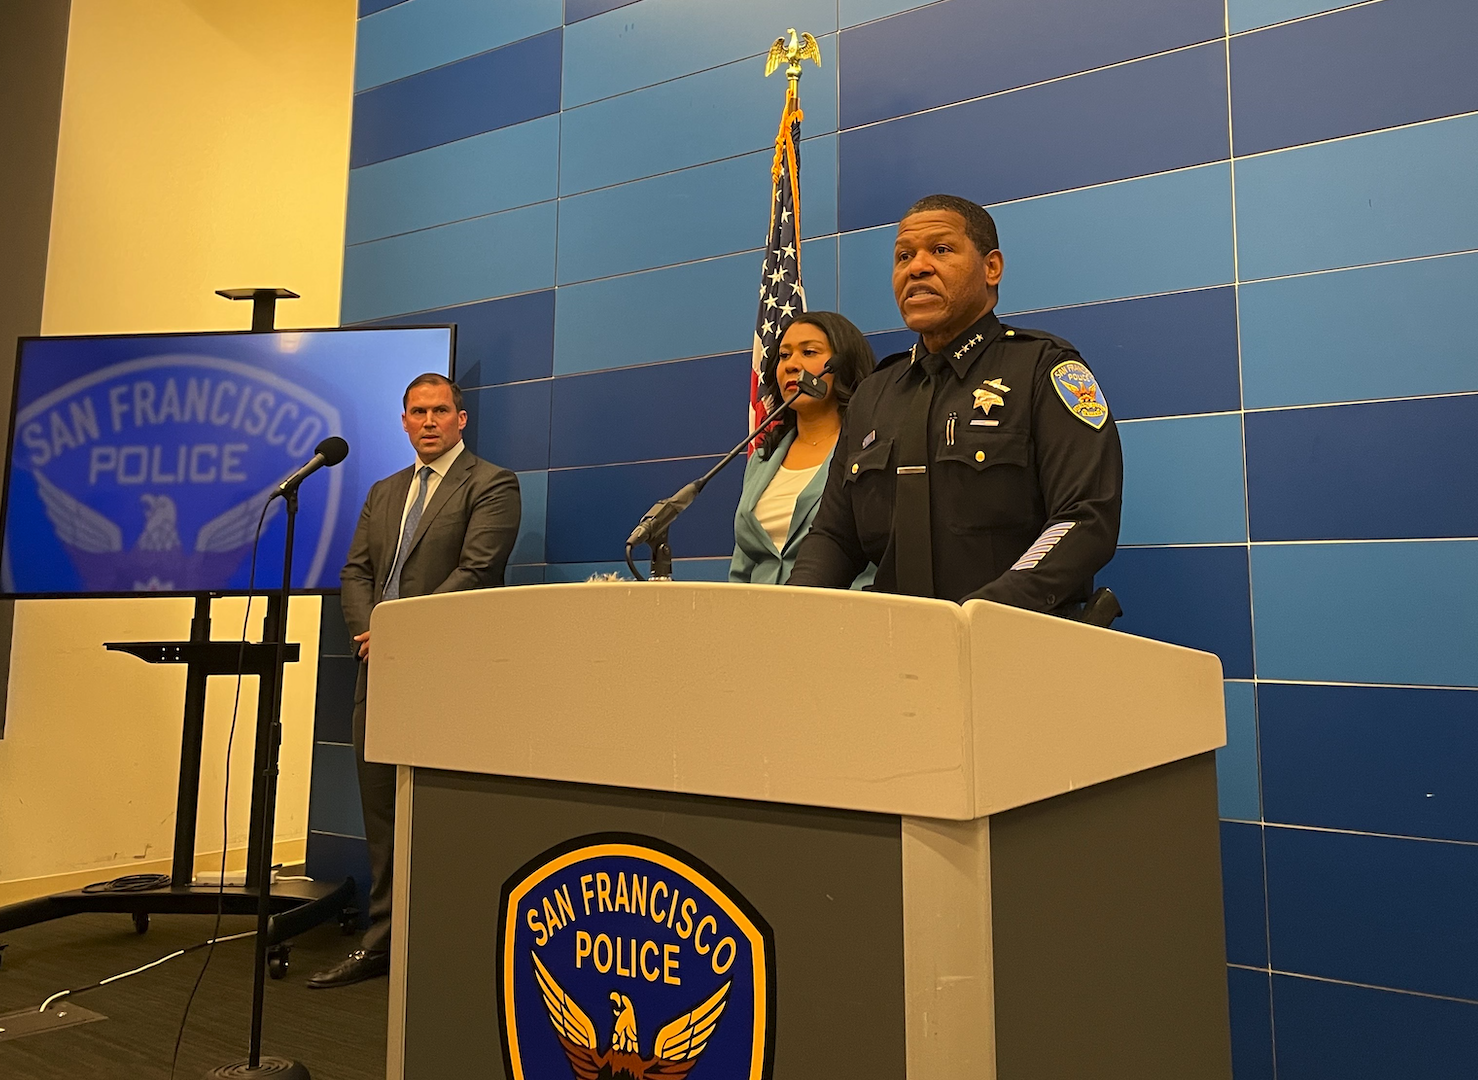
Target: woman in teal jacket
786,474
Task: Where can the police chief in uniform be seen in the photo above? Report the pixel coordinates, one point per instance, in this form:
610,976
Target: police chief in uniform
983,463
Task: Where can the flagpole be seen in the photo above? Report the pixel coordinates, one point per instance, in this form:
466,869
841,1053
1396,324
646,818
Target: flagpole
781,293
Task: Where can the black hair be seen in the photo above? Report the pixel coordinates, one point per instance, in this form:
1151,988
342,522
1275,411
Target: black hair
980,227
431,378
852,361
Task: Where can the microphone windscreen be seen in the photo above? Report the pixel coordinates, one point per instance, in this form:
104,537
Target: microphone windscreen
333,449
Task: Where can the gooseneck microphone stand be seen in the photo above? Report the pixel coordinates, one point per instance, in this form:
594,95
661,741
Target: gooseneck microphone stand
652,528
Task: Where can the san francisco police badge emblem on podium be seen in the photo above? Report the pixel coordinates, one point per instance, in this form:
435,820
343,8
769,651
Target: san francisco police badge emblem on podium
623,957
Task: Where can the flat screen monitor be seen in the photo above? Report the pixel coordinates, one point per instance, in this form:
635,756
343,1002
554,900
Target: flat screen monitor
140,464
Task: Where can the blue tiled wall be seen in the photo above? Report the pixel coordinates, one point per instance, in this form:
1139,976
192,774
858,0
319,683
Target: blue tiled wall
1256,220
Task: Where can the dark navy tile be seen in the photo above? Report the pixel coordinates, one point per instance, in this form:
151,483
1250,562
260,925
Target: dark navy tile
1157,356
1379,471
491,90
1372,66
1327,1031
891,341
369,7
1374,909
1152,116
509,425
592,511
334,858
333,707
333,799
507,340
1193,596
498,341
1371,758
681,409
1243,898
333,635
576,10
963,49
1250,995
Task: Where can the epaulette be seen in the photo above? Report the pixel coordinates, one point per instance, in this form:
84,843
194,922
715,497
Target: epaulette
893,358
1018,332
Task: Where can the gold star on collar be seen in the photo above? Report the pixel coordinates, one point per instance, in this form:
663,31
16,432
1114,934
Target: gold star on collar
963,349
989,395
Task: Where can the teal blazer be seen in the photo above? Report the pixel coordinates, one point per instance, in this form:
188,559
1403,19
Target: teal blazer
755,559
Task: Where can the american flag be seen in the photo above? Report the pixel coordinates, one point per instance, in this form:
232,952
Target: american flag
781,294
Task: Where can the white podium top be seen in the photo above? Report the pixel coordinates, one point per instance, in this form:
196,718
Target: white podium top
820,697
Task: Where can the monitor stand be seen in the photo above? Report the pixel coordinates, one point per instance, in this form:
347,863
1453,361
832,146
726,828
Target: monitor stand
296,906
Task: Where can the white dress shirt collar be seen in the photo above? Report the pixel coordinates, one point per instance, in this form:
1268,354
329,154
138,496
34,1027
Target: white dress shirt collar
440,465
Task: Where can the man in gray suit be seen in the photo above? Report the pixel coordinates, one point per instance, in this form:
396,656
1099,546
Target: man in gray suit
445,524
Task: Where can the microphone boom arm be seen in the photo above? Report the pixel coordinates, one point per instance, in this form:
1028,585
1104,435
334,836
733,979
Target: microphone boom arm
652,528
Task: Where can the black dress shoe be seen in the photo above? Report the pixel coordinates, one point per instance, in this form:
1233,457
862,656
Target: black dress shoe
359,966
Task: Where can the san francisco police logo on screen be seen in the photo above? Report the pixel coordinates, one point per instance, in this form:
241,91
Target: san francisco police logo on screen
150,474
624,958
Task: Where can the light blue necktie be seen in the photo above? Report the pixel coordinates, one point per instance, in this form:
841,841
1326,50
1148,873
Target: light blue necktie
412,519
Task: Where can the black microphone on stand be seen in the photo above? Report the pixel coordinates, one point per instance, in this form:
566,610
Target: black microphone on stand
652,528
325,455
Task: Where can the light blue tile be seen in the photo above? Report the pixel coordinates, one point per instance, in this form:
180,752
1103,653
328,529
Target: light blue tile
509,167
719,113
1156,234
533,490
610,323
655,40
819,185
1396,194
1249,14
860,11
697,213
865,279
1183,481
497,255
1237,790
700,570
421,34
819,273
1404,612
1399,330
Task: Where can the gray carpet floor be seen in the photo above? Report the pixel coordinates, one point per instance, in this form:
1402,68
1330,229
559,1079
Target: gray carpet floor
338,1034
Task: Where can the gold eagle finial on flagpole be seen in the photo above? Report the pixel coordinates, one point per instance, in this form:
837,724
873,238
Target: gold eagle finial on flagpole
799,48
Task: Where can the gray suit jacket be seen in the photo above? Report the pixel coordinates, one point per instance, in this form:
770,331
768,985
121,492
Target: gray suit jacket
463,541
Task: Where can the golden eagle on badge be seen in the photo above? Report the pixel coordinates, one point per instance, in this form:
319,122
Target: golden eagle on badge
800,48
674,1052
1085,392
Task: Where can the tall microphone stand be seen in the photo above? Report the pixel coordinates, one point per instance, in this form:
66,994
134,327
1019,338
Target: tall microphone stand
652,528
256,1065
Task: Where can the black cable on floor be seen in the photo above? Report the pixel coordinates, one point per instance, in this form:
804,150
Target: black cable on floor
129,883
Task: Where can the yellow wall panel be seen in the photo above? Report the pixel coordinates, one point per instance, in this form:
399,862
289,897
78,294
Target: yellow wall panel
203,145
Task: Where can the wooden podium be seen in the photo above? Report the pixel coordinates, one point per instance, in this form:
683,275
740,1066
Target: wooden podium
985,840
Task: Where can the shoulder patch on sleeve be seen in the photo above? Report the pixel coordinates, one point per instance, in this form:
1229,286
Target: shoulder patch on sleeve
1079,391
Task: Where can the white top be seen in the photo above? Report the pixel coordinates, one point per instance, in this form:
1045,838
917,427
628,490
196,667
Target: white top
439,469
776,506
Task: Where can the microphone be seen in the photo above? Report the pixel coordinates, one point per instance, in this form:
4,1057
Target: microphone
326,454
